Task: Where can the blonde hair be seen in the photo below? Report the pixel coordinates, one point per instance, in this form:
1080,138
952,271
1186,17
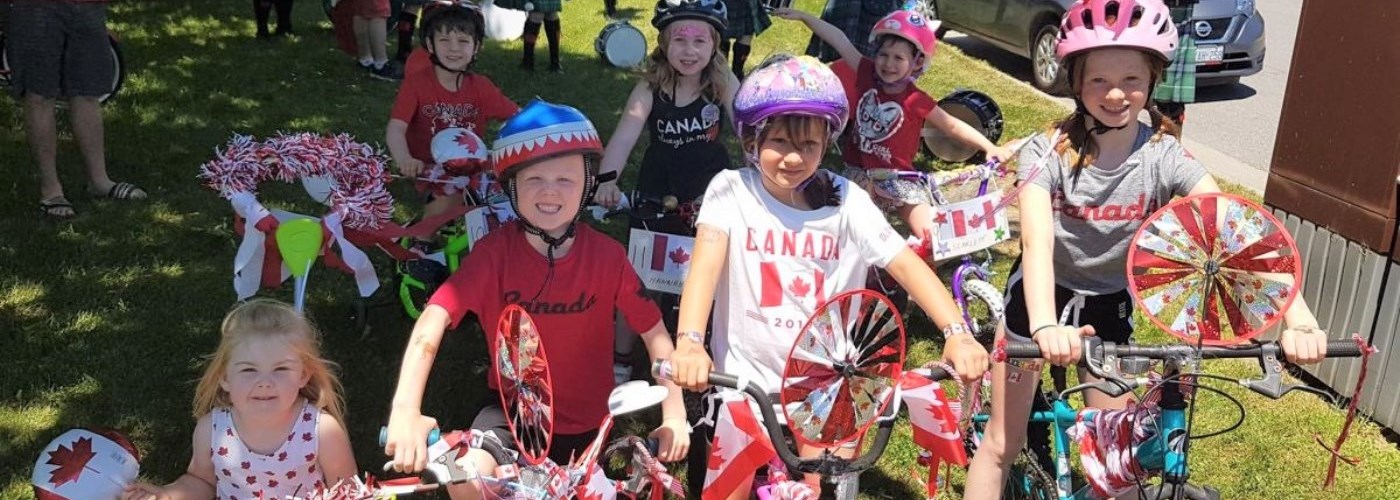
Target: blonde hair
270,319
1079,149
714,79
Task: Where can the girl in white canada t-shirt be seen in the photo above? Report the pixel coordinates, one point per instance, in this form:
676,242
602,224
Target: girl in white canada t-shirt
773,242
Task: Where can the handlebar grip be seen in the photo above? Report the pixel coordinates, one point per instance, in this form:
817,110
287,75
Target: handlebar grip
1343,349
653,446
661,369
433,435
1022,350
605,177
933,373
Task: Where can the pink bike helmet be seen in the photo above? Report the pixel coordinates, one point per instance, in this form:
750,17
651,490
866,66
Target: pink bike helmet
784,84
915,28
1135,24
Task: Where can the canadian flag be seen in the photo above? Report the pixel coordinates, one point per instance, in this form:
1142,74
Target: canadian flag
935,425
670,252
598,487
740,447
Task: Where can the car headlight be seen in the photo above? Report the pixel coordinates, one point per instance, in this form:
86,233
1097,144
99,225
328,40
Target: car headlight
1245,7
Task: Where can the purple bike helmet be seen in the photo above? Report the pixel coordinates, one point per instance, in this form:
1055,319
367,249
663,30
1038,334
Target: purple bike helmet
790,85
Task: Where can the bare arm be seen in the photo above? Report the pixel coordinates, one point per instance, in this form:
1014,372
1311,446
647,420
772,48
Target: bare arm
629,128
197,483
675,429
418,359
396,137
968,357
334,455
832,35
691,363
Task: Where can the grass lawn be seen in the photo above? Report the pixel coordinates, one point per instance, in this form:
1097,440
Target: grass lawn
104,319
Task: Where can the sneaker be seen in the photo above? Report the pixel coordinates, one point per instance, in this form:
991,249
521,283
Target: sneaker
389,72
622,373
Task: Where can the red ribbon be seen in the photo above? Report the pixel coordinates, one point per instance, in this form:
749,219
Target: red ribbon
1336,449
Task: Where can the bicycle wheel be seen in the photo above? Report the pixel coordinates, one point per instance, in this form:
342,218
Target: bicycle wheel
984,326
1213,268
118,68
1028,480
522,374
843,368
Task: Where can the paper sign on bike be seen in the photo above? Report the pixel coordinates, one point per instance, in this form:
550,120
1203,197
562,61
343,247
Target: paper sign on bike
965,227
483,219
661,260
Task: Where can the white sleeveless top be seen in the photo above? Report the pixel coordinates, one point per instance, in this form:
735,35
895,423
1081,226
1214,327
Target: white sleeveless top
290,471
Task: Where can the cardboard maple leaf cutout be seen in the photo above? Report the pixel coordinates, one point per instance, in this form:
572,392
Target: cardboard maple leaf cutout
799,287
70,462
679,256
468,142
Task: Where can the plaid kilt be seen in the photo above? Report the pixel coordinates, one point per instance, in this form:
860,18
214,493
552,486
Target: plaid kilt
539,5
1179,81
855,18
746,17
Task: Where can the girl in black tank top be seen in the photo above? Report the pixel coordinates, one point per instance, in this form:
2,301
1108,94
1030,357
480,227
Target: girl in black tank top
685,151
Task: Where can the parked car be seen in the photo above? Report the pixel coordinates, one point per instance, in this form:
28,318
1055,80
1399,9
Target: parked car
1229,34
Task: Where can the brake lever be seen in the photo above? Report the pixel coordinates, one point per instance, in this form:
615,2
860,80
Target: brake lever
1101,361
1272,385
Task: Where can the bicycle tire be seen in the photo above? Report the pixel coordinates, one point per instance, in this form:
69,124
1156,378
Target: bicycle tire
118,71
991,297
1027,480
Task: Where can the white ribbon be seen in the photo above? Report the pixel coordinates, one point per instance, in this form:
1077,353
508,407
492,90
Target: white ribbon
353,257
248,262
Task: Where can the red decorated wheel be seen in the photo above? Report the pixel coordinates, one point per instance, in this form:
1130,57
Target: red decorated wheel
843,368
1214,269
522,373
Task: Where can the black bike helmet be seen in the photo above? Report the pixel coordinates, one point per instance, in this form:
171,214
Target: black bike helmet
439,11
711,11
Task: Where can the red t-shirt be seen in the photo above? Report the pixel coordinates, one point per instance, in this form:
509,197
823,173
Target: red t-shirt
574,311
884,129
427,107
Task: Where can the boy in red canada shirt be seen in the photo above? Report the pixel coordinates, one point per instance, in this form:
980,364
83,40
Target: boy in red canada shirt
571,278
445,97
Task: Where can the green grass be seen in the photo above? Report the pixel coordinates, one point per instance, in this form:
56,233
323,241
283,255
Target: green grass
104,319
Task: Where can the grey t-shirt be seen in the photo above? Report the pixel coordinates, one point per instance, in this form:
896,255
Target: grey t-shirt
1098,211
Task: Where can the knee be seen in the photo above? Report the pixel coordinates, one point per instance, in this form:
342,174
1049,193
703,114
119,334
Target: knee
997,447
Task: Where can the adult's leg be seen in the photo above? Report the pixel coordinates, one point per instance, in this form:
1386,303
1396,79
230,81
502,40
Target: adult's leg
741,54
40,129
361,26
262,9
533,23
552,32
284,17
378,40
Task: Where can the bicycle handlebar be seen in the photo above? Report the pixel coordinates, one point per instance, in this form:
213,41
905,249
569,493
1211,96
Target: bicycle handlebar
1103,360
827,465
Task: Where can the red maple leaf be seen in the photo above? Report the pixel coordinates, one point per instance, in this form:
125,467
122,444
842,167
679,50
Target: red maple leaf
467,142
70,461
306,436
716,457
306,417
282,457
679,256
291,474
799,287
272,483
223,451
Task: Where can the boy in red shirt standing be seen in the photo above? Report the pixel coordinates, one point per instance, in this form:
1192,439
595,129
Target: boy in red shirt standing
444,97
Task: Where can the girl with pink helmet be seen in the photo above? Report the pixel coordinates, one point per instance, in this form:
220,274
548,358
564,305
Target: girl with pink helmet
890,110
786,113
1106,174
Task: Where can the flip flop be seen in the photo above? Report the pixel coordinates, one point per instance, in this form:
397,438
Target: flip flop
124,191
54,207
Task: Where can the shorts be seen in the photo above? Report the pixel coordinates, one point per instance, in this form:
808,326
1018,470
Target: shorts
371,9
1110,314
492,418
59,49
889,194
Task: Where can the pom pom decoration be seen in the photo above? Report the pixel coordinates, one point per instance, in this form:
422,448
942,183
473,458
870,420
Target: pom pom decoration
356,170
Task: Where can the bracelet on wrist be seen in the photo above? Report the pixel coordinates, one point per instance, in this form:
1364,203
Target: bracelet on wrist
693,336
1041,327
952,329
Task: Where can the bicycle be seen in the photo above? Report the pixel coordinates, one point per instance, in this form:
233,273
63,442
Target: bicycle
843,375
118,63
1167,408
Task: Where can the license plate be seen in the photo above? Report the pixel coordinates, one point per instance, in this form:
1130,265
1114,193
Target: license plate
1208,54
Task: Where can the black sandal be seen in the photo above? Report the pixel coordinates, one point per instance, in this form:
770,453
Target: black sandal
54,207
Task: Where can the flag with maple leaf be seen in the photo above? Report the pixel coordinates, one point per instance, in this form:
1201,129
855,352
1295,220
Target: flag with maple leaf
739,448
598,487
83,463
935,426
661,260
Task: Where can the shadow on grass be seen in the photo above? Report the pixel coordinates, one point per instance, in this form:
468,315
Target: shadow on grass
106,317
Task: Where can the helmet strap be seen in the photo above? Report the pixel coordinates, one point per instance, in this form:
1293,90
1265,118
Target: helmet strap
552,242
1098,128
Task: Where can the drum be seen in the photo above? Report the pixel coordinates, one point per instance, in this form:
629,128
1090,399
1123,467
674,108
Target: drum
502,25
975,109
621,45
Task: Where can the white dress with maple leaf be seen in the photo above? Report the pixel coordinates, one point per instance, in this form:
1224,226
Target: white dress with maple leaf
782,263
288,472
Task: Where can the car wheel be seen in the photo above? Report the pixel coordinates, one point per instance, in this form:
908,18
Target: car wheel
1045,70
